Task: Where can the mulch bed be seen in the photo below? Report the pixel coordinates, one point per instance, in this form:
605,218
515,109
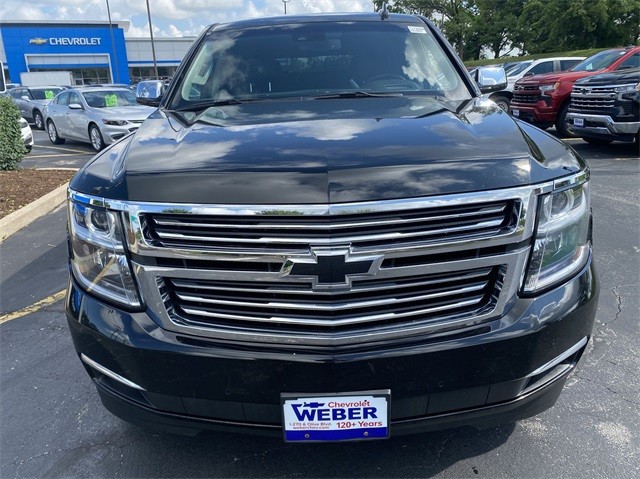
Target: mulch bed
20,187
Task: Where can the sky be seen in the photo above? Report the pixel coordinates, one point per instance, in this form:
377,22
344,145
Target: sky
170,18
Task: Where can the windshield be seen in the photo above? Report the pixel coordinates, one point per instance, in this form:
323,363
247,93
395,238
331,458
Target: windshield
311,60
598,61
109,98
517,69
45,93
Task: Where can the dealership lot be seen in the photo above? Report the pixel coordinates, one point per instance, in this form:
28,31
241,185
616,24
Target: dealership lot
71,154
54,425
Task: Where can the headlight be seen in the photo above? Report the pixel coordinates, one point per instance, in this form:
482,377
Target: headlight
98,259
625,88
549,88
23,123
562,244
115,122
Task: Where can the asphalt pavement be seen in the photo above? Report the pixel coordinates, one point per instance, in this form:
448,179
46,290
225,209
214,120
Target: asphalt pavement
71,154
52,423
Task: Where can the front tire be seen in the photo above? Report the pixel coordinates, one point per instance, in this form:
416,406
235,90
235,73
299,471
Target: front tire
38,120
96,138
502,102
53,134
561,126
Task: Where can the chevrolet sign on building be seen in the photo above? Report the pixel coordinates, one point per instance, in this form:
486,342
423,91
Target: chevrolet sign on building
75,41
93,52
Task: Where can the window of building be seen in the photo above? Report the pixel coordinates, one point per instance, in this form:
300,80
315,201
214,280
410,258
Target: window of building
84,76
139,74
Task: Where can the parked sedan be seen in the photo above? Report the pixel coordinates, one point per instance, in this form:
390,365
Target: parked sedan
96,115
32,100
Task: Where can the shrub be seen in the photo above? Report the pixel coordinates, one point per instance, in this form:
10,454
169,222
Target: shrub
12,147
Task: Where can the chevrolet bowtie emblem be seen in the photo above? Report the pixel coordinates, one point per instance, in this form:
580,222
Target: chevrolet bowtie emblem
38,41
331,268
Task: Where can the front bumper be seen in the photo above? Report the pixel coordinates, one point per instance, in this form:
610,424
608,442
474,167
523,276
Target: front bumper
112,133
511,368
602,126
536,113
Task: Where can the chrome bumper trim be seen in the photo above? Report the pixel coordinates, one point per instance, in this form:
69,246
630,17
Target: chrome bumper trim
107,372
557,360
607,125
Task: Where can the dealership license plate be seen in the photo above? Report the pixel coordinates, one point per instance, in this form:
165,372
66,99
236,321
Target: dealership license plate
515,112
336,417
578,122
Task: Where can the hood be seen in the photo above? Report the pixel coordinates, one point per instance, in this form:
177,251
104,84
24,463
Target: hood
621,77
137,112
326,151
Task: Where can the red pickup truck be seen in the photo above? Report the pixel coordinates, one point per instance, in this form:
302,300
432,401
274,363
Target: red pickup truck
544,99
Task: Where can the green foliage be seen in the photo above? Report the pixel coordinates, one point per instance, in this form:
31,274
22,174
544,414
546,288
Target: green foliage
531,26
12,148
557,25
496,22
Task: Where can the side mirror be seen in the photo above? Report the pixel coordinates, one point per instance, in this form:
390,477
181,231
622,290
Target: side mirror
150,92
25,98
491,79
75,106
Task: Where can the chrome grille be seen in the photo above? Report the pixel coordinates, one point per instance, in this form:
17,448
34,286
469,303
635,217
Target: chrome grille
526,98
427,277
291,232
262,305
592,98
591,103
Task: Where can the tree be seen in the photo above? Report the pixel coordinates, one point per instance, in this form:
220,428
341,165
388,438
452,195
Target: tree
558,25
496,24
453,17
12,147
532,26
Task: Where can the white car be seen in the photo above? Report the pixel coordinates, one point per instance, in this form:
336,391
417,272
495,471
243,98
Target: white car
527,68
27,134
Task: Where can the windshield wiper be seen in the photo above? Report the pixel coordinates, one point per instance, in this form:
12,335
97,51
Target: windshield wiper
356,94
203,105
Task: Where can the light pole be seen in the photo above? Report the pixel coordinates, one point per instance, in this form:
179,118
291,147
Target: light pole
116,75
153,47
285,5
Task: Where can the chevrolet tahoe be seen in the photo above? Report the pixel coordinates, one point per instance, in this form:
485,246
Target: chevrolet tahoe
323,233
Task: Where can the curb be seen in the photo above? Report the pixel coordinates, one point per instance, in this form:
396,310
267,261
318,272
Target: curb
26,215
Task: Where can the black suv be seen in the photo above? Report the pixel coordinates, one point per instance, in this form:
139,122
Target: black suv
606,107
325,233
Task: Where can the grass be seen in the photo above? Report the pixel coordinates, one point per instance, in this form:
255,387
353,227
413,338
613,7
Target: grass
572,53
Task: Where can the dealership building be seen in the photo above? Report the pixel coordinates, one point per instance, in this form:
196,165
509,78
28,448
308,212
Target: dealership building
93,52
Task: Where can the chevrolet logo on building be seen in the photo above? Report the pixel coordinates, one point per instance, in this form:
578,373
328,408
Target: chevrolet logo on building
38,41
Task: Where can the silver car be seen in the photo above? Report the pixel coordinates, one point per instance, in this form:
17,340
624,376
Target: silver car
97,115
32,100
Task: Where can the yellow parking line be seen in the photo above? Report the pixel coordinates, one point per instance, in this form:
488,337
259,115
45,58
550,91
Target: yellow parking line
62,149
38,305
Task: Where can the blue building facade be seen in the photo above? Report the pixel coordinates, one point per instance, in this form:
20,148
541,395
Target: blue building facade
93,52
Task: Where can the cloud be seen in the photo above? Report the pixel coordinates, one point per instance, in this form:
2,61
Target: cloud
173,18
